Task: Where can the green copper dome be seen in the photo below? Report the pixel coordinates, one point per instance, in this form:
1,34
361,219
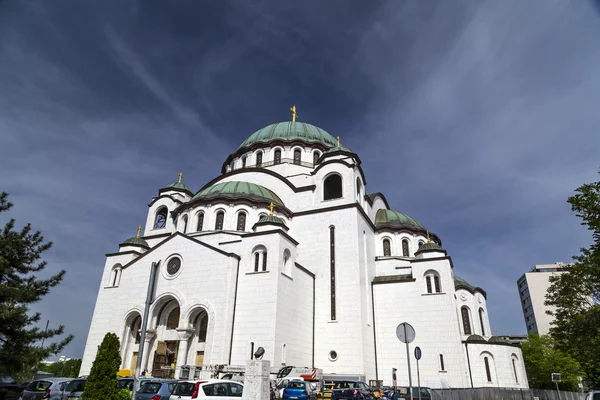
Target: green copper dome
430,246
497,339
136,241
396,218
290,131
238,189
460,283
178,186
271,219
476,339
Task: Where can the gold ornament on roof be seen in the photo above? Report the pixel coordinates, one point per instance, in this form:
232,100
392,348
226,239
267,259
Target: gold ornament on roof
294,114
339,144
271,207
180,176
428,238
138,232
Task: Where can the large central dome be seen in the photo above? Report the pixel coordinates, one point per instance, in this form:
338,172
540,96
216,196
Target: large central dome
290,131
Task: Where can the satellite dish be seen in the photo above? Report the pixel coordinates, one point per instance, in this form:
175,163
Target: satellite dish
260,352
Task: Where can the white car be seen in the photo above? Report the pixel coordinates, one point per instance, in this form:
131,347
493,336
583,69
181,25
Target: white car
223,389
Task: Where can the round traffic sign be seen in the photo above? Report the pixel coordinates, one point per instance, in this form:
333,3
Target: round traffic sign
418,353
405,332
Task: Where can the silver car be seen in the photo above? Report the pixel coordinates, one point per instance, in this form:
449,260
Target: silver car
47,388
74,390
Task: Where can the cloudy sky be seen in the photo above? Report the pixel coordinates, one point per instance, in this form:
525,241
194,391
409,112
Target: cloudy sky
478,118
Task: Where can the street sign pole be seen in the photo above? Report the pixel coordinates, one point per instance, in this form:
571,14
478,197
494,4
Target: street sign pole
408,361
418,357
406,334
556,378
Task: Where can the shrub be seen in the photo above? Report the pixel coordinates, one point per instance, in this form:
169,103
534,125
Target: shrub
102,381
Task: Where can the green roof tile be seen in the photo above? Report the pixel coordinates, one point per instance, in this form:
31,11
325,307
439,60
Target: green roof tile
236,189
391,217
136,241
178,185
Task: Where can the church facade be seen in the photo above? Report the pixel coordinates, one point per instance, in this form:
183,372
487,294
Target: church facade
285,250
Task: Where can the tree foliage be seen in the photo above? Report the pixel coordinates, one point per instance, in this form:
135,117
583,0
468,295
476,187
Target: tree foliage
20,286
575,294
542,358
102,381
65,369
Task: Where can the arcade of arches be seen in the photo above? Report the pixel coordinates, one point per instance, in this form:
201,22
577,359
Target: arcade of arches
172,339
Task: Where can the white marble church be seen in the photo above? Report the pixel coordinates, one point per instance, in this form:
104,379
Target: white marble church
287,251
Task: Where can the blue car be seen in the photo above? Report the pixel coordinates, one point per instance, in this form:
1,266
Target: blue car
299,390
157,389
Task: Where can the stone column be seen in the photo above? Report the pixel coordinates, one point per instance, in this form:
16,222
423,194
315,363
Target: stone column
150,335
184,335
256,381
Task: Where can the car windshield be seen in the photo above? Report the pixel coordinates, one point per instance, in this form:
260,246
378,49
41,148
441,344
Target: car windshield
150,387
184,389
6,379
75,386
296,385
39,385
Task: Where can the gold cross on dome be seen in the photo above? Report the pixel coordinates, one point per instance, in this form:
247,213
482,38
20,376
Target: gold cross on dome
139,231
180,176
294,114
271,207
428,239
339,144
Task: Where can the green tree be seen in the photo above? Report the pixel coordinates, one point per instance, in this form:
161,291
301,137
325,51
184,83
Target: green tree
576,294
542,358
20,262
102,381
66,369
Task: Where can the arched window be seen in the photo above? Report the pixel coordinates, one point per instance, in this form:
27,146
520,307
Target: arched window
115,275
200,221
386,248
514,365
287,256
332,187
185,221
488,373
481,321
241,221
203,328
219,221
259,159
244,162
259,255
436,282
173,319
405,248
358,187
316,156
277,156
256,261
428,280
421,243
466,320
432,279
160,221
297,156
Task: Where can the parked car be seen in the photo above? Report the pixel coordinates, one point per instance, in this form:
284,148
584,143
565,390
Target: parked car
351,390
593,395
74,390
403,393
156,389
14,388
127,382
199,389
299,390
47,388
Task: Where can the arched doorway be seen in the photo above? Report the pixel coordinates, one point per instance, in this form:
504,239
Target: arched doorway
131,341
163,358
198,348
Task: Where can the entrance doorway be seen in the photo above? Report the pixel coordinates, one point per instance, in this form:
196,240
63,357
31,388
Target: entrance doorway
165,359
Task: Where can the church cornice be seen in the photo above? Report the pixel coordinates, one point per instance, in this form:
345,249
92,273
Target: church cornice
281,232
248,201
301,268
419,260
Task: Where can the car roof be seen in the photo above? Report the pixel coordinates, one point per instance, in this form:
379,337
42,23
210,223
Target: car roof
203,381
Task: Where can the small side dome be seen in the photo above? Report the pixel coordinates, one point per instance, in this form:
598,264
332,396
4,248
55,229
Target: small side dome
270,220
178,186
395,219
431,246
136,241
476,339
239,190
460,283
497,339
340,148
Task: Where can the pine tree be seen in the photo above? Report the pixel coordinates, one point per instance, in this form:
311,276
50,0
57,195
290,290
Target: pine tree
102,381
20,262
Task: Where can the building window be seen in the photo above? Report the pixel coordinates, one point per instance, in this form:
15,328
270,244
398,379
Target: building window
260,258
487,369
436,282
243,162
332,188
514,363
332,269
173,319
405,247
283,353
252,350
219,221
256,261
442,362
287,256
115,275
241,221
333,355
386,248
316,156
160,221
421,243
466,320
277,156
259,159
173,266
297,156
200,222
481,321
264,261
185,221
428,280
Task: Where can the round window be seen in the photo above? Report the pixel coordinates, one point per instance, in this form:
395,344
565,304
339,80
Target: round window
173,265
333,355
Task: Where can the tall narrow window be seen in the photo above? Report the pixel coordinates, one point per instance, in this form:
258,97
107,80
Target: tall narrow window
428,280
185,219
332,269
259,159
244,162
161,218
514,363
219,221
241,221
332,187
297,156
442,362
481,321
487,369
358,188
386,248
405,247
316,156
466,320
252,350
277,156
256,261
200,222
436,282
264,263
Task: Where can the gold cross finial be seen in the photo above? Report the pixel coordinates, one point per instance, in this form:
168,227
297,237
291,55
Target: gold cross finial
180,176
271,207
338,138
294,114
428,239
139,231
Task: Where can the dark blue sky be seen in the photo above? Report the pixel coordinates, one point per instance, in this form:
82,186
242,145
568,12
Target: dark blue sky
478,118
